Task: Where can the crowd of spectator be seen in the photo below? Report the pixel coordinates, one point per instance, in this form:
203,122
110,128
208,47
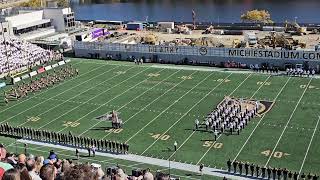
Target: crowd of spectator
27,166
16,54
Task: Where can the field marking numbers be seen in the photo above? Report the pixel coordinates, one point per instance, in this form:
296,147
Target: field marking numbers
162,137
53,88
120,72
307,86
70,124
189,109
153,75
73,96
274,100
277,154
208,144
195,131
305,156
284,129
263,83
223,80
33,118
55,96
186,77
116,131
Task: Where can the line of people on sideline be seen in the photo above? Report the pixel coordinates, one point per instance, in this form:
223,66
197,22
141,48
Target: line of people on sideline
63,139
250,169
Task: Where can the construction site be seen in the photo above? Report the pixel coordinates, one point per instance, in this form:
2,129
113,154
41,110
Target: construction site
290,36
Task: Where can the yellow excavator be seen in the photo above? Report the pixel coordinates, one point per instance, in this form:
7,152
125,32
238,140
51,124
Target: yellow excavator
294,28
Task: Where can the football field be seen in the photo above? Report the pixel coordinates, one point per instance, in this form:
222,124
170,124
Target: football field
159,106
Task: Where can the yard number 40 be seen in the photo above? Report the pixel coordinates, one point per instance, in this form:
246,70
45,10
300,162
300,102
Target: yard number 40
277,154
162,137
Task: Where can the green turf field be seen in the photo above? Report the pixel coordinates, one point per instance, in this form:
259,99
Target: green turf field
159,106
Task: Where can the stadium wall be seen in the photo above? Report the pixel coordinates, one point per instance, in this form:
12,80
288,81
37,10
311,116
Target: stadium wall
197,54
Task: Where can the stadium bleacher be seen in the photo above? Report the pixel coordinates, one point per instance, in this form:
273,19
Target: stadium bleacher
22,54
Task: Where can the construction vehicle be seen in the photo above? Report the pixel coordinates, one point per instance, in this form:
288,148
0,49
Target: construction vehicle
236,43
250,38
209,30
295,29
282,40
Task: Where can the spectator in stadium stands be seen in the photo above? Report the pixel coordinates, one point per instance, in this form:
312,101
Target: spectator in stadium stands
39,163
31,167
22,160
48,171
147,175
12,174
24,174
80,172
22,54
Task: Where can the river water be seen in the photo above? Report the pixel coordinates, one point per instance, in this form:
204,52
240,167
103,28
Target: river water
306,11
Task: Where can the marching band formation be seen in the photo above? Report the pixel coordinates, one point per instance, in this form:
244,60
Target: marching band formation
229,116
44,82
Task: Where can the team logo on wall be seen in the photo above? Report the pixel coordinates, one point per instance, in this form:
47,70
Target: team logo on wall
127,47
203,51
263,106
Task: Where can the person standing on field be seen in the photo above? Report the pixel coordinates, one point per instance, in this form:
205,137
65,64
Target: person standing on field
175,145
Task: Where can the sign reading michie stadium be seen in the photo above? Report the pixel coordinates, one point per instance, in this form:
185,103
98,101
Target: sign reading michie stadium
88,47
274,54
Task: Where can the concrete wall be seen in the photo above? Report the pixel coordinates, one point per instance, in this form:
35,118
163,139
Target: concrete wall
57,19
25,18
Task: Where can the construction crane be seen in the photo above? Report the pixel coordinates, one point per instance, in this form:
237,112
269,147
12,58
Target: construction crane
194,19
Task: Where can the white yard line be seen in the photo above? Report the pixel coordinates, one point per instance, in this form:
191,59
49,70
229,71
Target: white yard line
132,87
92,99
38,94
186,112
221,134
274,100
57,105
195,131
260,87
132,101
166,108
305,156
284,129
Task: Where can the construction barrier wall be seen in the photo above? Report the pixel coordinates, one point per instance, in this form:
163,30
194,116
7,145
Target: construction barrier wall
196,54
